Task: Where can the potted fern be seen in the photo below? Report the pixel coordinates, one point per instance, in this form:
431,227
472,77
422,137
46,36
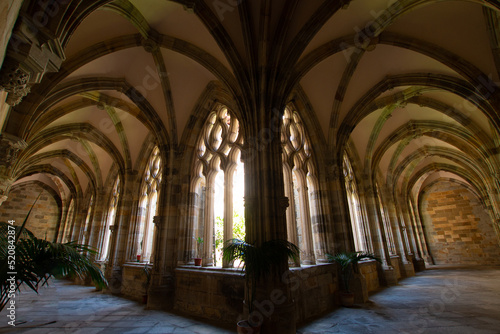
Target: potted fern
257,261
348,265
37,260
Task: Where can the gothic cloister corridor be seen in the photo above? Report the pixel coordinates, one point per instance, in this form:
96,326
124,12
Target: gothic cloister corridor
441,300
154,133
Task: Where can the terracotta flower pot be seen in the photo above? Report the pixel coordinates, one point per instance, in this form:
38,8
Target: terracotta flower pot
244,327
197,262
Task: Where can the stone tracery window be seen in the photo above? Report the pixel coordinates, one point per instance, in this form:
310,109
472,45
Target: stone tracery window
359,229
148,200
217,187
301,188
110,220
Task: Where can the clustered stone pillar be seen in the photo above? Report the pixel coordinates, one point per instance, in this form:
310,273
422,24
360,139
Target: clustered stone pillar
265,212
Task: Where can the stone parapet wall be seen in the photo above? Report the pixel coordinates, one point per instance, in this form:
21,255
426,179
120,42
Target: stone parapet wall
213,294
133,281
369,270
217,294
315,290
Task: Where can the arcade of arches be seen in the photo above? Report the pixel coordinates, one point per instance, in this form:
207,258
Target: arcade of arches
147,126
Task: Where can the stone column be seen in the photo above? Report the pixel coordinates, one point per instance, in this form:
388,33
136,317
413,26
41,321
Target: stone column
265,213
98,219
162,289
377,232
398,235
419,232
120,228
339,212
307,242
318,230
228,207
208,226
290,213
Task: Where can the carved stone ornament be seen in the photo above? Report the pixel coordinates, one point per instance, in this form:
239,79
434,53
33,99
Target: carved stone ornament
10,147
14,80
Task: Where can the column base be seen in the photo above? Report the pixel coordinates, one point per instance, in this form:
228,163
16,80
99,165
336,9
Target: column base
282,320
390,276
115,281
409,270
160,298
419,264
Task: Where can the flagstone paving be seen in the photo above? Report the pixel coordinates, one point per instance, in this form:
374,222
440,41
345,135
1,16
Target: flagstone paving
439,300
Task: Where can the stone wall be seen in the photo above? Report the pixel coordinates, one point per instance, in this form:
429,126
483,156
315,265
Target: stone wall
369,270
315,290
216,295
134,281
458,228
396,264
45,215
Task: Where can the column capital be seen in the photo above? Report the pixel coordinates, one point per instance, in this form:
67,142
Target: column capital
28,57
10,147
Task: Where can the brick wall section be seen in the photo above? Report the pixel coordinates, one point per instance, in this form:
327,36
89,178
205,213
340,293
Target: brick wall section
458,228
44,217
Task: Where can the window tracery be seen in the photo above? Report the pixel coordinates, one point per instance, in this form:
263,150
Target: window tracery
301,188
218,172
148,200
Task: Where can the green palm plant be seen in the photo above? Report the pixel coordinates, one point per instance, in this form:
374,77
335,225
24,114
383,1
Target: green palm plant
258,261
37,260
347,262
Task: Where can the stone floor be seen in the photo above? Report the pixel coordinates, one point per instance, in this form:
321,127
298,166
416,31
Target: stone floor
440,300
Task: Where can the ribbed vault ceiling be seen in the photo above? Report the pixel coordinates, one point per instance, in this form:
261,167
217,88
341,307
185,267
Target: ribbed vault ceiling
408,84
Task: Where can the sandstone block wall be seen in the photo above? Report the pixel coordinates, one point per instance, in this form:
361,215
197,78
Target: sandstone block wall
133,281
458,229
314,289
211,294
45,215
369,270
218,294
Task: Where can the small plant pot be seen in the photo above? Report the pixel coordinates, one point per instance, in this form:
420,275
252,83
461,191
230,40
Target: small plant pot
197,262
347,299
138,258
244,327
